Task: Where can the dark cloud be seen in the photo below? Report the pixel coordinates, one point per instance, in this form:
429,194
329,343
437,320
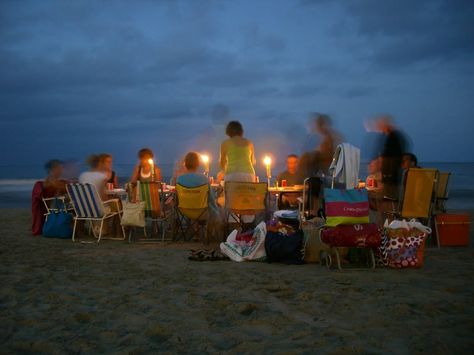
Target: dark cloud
160,73
402,33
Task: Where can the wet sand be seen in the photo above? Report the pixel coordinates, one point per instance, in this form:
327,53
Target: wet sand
58,296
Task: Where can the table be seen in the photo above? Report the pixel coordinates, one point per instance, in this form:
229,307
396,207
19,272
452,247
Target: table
121,194
278,192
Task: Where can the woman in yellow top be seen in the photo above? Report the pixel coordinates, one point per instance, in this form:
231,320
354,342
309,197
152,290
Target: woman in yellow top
237,155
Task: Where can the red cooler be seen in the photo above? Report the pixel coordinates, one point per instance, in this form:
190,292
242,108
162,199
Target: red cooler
453,229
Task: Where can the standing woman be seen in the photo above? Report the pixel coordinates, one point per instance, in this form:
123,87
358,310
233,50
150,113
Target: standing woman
237,155
105,163
146,170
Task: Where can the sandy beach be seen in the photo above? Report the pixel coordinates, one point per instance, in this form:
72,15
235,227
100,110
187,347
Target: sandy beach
64,297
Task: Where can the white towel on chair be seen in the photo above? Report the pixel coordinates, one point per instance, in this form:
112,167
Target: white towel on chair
345,166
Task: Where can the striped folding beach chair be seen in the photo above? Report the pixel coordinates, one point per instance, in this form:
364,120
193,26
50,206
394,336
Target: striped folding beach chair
151,193
88,206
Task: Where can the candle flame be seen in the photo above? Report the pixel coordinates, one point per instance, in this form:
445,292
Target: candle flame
150,161
205,158
267,160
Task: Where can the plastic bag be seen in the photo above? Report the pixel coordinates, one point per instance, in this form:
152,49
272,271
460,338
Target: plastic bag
243,249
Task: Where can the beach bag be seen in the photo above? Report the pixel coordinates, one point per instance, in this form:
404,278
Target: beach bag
242,247
312,245
285,248
352,236
403,244
346,206
58,224
134,214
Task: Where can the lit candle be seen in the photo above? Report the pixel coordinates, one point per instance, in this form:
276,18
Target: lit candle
268,162
152,167
205,160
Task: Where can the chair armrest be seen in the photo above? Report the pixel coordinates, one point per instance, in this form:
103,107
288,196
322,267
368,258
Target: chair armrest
113,201
116,200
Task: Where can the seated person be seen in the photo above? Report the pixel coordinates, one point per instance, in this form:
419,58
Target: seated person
291,174
105,165
293,177
143,171
409,160
94,176
191,178
98,178
52,186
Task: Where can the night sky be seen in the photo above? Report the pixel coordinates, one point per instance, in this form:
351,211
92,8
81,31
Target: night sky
78,77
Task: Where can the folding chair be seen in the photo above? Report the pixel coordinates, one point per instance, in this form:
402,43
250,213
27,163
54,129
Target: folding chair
88,206
418,192
244,199
54,204
152,194
192,210
310,201
442,192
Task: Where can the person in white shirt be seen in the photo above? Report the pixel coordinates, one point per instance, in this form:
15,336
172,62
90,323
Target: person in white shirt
94,176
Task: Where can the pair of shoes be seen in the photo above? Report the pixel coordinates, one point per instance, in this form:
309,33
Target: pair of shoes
207,255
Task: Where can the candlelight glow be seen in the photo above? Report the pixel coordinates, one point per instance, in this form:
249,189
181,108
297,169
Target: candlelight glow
267,160
205,158
150,161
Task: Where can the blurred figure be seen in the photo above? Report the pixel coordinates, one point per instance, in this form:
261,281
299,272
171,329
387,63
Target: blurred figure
308,164
146,170
291,174
392,149
105,165
53,184
330,139
409,160
237,158
178,169
95,176
71,170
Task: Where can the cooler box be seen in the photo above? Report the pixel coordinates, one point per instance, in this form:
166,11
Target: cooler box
453,229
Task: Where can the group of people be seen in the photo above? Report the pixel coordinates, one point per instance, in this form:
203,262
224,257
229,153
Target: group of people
237,162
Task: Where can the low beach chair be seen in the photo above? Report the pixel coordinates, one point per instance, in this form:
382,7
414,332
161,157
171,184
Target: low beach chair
192,208
442,192
153,196
88,206
244,199
417,197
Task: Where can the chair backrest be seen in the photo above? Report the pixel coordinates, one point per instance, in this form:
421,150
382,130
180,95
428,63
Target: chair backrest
442,188
55,204
418,195
85,200
313,187
245,197
149,192
192,201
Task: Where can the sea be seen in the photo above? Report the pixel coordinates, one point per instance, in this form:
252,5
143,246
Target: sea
16,181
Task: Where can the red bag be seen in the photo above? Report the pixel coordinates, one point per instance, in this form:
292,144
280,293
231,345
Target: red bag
352,236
